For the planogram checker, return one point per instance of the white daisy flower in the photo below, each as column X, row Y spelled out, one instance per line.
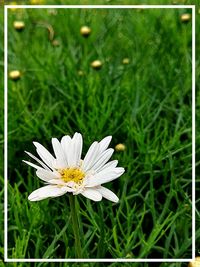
column 67, row 172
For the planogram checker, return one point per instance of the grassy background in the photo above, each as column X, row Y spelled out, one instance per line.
column 107, row 2
column 146, row 105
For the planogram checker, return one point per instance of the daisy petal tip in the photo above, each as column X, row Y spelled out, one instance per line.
column 53, row 139
column 26, row 162
column 120, row 170
column 92, row 194
column 98, row 199
column 31, row 198
column 110, row 137
column 123, row 170
column 76, row 134
column 35, row 144
column 28, row 153
column 108, row 194
column 116, row 200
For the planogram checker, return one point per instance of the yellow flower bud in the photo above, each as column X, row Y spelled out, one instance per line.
column 13, row 4
column 126, row 61
column 97, row 64
column 19, row 25
column 80, row 73
column 195, row 262
column 15, row 75
column 120, row 147
column 85, row 31
column 186, row 17
column 36, row 2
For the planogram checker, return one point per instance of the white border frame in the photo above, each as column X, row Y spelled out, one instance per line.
column 6, row 7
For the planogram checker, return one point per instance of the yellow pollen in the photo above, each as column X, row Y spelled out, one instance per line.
column 72, row 175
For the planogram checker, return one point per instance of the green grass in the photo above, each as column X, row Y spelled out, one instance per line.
column 108, row 2
column 146, row 105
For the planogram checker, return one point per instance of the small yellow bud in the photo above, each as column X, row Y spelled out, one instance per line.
column 13, row 4
column 19, row 25
column 186, row 17
column 80, row 73
column 126, row 61
column 85, row 31
column 15, row 75
column 55, row 43
column 97, row 64
column 36, row 2
column 120, row 147
column 195, row 262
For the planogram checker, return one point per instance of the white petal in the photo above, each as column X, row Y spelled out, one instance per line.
column 60, row 157
column 56, row 182
column 39, row 161
column 90, row 156
column 75, row 149
column 105, row 156
column 33, row 165
column 66, row 143
column 71, row 184
column 92, row 194
column 111, row 164
column 47, row 191
column 105, row 143
column 60, row 182
column 104, row 176
column 44, row 154
column 71, row 153
column 46, row 175
column 108, row 194
column 78, row 144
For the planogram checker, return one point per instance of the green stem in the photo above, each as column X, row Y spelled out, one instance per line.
column 75, row 226
column 101, row 245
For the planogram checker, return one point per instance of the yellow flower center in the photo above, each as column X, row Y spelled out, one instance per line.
column 72, row 175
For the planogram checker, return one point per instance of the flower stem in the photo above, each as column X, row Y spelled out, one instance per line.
column 101, row 244
column 75, row 226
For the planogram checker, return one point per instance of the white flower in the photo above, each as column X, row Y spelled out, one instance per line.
column 66, row 172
